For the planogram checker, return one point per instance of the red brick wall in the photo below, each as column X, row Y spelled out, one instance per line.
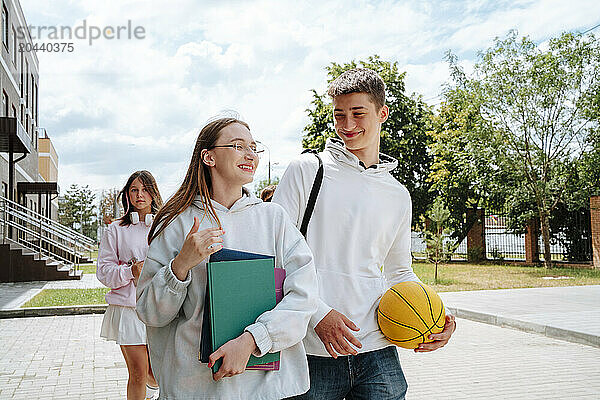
column 595, row 214
column 476, row 236
column 531, row 242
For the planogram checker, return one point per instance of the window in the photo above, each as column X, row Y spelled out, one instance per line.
column 14, row 114
column 32, row 98
column 5, row 26
column 36, row 104
column 14, row 33
column 4, row 189
column 21, row 87
column 26, row 83
column 5, row 103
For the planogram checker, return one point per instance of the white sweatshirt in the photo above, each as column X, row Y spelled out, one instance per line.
column 359, row 235
column 172, row 309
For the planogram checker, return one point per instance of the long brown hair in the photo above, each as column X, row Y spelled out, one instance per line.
column 197, row 180
column 151, row 187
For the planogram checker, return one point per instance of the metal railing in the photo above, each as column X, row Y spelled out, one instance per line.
column 42, row 235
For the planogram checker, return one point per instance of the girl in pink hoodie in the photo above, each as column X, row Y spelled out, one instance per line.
column 120, row 258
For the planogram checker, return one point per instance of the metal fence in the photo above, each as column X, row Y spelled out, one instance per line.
column 419, row 247
column 500, row 242
column 571, row 239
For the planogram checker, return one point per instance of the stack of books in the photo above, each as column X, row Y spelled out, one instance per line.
column 240, row 287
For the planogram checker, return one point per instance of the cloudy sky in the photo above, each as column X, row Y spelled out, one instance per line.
column 120, row 105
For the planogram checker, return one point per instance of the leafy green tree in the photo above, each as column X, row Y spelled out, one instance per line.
column 404, row 135
column 543, row 101
column 465, row 172
column 77, row 210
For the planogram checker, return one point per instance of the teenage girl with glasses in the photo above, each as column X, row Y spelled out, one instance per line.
column 212, row 210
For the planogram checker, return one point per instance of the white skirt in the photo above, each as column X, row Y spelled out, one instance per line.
column 122, row 325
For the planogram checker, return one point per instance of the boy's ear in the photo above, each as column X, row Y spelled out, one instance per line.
column 207, row 158
column 384, row 113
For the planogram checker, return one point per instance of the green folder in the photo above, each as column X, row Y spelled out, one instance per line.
column 239, row 292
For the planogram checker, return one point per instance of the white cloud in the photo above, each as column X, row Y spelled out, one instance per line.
column 538, row 19
column 122, row 105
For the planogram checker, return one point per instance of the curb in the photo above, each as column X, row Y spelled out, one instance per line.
column 546, row 330
column 53, row 311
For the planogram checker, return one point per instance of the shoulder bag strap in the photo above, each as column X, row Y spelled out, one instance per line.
column 314, row 192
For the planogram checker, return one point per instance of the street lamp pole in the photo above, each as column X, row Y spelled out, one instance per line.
column 269, row 155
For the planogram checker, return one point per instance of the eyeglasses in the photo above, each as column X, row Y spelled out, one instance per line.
column 244, row 148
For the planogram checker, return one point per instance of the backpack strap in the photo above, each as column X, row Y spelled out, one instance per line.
column 314, row 192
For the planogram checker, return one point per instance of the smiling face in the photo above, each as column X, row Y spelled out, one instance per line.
column 229, row 165
column 357, row 121
column 140, row 198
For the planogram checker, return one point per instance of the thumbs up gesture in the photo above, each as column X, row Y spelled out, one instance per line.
column 196, row 248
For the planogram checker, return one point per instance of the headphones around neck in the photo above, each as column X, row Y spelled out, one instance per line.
column 135, row 218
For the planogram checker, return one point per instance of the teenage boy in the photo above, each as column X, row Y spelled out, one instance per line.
column 360, row 236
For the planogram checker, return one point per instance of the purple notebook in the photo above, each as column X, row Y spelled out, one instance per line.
column 279, row 278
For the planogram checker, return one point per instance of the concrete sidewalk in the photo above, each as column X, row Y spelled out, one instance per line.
column 64, row 358
column 568, row 313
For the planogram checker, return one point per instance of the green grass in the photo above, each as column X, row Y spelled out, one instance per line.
column 451, row 277
column 67, row 297
column 463, row 276
column 88, row 268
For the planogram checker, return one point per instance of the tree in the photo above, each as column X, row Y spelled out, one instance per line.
column 404, row 135
column 109, row 206
column 542, row 103
column 77, row 210
column 465, row 172
column 438, row 249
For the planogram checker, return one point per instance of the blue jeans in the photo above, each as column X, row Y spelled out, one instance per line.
column 373, row 375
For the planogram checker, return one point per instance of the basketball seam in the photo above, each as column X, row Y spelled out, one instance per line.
column 411, row 306
column 428, row 301
column 396, row 322
column 422, row 335
column 438, row 318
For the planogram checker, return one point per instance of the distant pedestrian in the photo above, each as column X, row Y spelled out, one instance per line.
column 120, row 259
column 267, row 193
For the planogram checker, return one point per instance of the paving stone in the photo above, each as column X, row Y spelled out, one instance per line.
column 481, row 361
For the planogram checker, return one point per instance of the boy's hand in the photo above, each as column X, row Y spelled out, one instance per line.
column 334, row 333
column 235, row 354
column 439, row 339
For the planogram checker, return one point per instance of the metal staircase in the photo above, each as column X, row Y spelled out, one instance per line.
column 35, row 247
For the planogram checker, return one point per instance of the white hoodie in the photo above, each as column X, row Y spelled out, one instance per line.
column 172, row 309
column 359, row 235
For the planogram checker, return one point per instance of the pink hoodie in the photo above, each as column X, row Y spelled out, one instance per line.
column 119, row 245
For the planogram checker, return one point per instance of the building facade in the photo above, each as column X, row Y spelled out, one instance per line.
column 33, row 160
